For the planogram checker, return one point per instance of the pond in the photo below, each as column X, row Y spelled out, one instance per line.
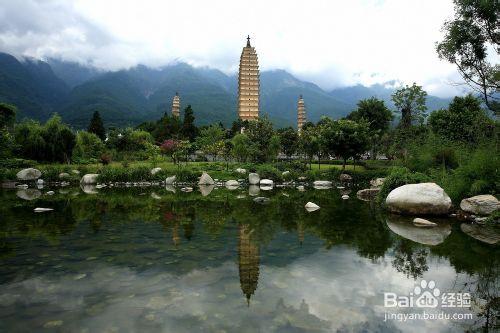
column 151, row 260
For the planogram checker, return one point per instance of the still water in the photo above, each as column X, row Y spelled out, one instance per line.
column 150, row 260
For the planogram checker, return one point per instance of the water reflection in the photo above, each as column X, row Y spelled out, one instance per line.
column 171, row 261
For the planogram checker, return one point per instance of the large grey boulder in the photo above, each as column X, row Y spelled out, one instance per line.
column 367, row 194
column 253, row 179
column 154, row 171
column 377, row 182
column 170, row 180
column 480, row 204
column 253, row 190
column 311, row 206
column 205, row 179
column 89, row 179
column 345, row 178
column 232, row 184
column 29, row 174
column 64, row 175
column 266, row 182
column 424, row 198
column 206, row 189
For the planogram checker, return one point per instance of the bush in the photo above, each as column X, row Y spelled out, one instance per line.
column 88, row 148
column 185, row 175
column 399, row 177
column 269, row 172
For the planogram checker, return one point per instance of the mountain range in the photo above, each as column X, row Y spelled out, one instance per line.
column 128, row 97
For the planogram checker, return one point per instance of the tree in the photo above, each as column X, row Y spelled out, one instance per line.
column 170, row 147
column 88, row 148
column 7, row 118
column 309, row 141
column 289, row 140
column 260, row 132
column 468, row 39
column 211, row 139
column 96, row 126
column 241, row 147
column 463, row 121
column 59, row 140
column 189, row 130
column 377, row 115
column 346, row 138
column 274, row 147
column 410, row 102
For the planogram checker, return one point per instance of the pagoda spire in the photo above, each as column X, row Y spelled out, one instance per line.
column 248, row 41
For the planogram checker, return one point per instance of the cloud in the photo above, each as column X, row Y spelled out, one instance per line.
column 332, row 43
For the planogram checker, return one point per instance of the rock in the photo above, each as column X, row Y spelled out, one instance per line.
column 253, row 190
column 22, row 186
column 154, row 171
column 423, row 222
column 232, row 184
column 424, row 198
column 89, row 179
column 427, row 236
column 75, row 172
column 187, row 189
column 28, row 194
column 266, row 182
column 170, row 180
column 301, row 188
column 41, row 210
column 480, row 204
column 64, row 175
column 206, row 189
column 29, row 174
column 322, row 183
column 205, row 179
column 345, row 197
column 345, row 178
column 261, row 200
column 285, row 173
column 241, row 170
column 377, row 182
column 266, row 187
column 170, row 188
column 50, row 193
column 302, row 178
column 311, row 206
column 484, row 234
column 155, row 196
column 99, row 186
column 40, row 182
column 367, row 194
column 253, row 179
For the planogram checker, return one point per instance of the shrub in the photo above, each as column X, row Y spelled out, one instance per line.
column 105, row 159
column 88, row 147
column 399, row 177
column 269, row 172
column 186, row 176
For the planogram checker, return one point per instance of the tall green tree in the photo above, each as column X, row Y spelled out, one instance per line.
column 260, row 132
column 211, row 140
column 189, row 130
column 471, row 40
column 309, row 141
column 241, row 147
column 289, row 140
column 464, row 121
column 410, row 102
column 88, row 147
column 7, row 118
column 378, row 116
column 346, row 138
column 7, row 115
column 96, row 126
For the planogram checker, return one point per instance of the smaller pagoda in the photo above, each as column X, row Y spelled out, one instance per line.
column 176, row 105
column 301, row 113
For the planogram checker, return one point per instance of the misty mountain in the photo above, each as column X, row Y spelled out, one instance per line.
column 128, row 97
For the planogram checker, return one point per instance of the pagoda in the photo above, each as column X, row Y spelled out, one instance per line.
column 248, row 84
column 248, row 262
column 176, row 105
column 301, row 113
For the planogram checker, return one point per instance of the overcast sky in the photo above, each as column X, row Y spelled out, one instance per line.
column 331, row 43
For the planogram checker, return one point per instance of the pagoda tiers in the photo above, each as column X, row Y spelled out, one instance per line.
column 248, row 84
column 301, row 113
column 248, row 262
column 176, row 105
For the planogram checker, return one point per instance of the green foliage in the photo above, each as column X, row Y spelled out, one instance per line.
column 52, row 142
column 463, row 121
column 289, row 140
column 96, row 126
column 88, row 148
column 466, row 43
column 410, row 102
column 240, row 149
column 7, row 115
column 309, row 140
column 189, row 130
column 120, row 174
column 399, row 177
column 186, row 175
column 263, row 145
column 268, row 171
column 211, row 140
